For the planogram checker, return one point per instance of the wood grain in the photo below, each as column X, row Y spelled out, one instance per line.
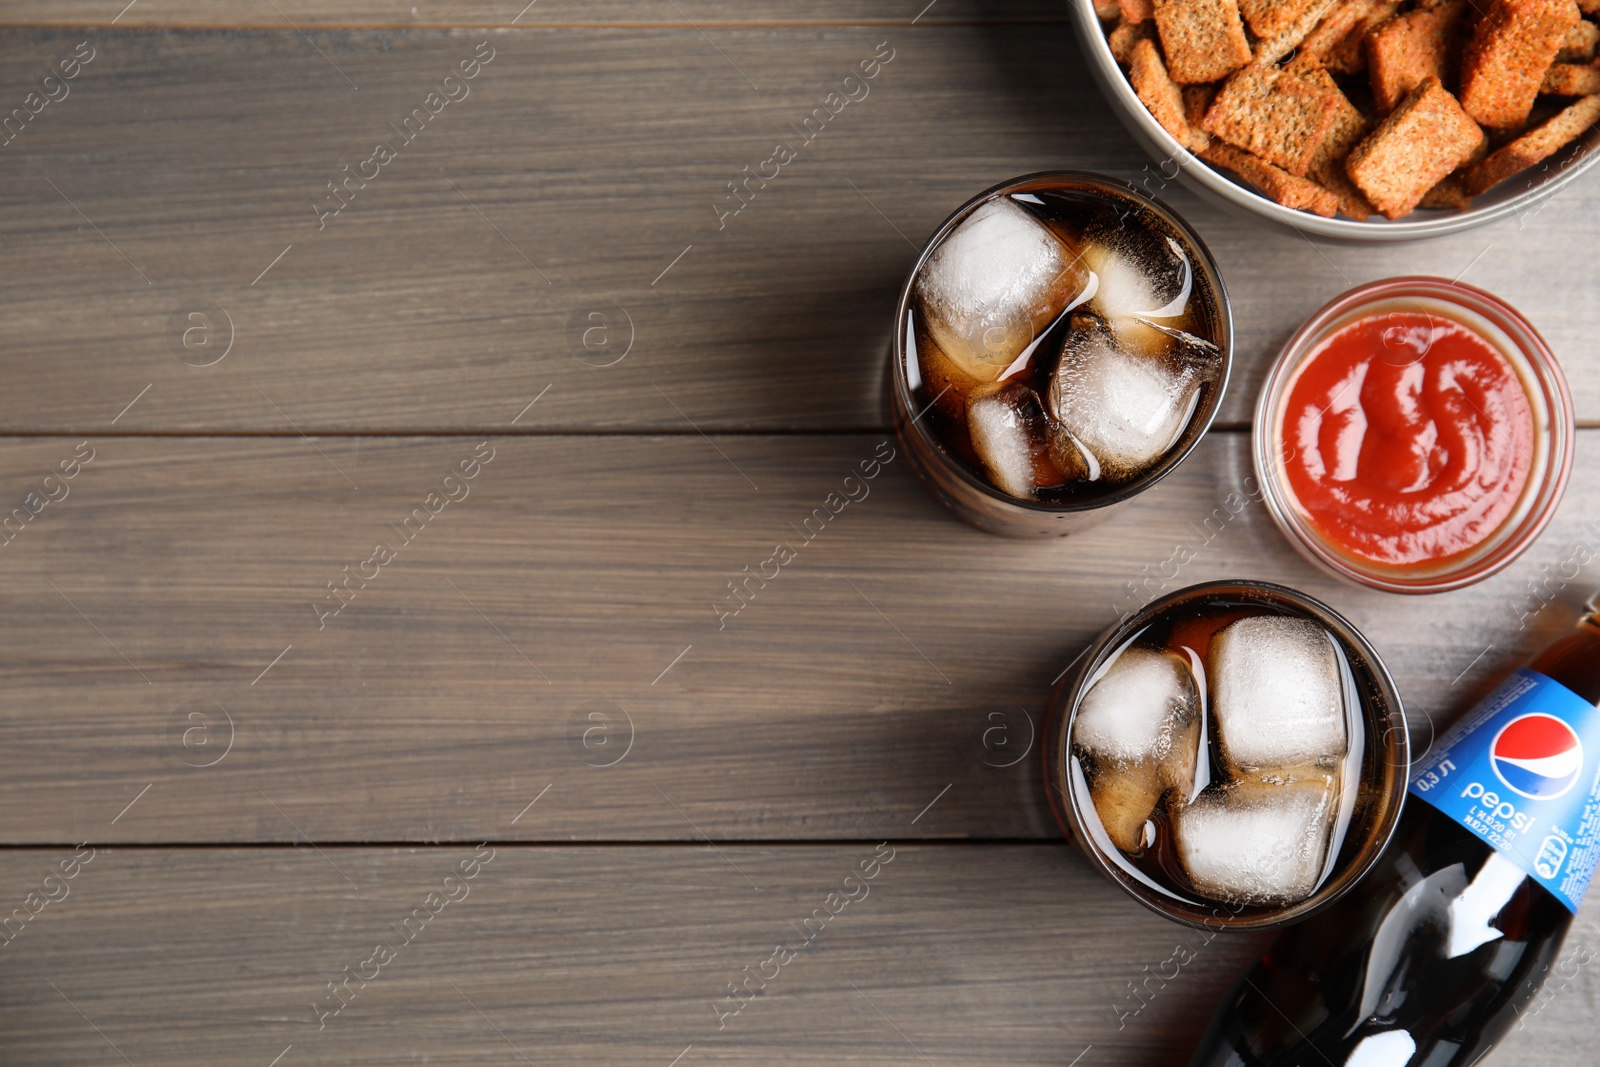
column 579, row 177
column 1013, row 954
column 451, row 14
column 582, row 574
column 541, row 663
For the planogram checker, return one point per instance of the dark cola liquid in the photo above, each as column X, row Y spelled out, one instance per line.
column 1377, row 968
column 1117, row 236
column 1186, row 629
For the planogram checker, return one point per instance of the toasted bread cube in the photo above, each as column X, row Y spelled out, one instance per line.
column 1107, row 10
column 1570, row 79
column 1161, row 95
column 1277, row 183
column 1203, row 40
column 1349, row 56
column 1331, row 30
column 1449, row 195
column 1485, row 146
column 1268, row 18
column 1124, row 36
column 1532, row 147
column 1422, row 140
column 1578, row 46
column 1196, row 102
column 1351, row 200
column 1505, row 60
column 1293, row 34
column 1589, row 7
column 1137, row 11
column 1409, row 48
column 1279, row 116
column 1327, row 165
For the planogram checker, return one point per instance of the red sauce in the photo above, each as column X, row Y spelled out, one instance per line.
column 1408, row 438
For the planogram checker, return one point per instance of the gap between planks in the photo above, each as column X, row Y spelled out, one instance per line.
column 202, row 25
column 543, row 843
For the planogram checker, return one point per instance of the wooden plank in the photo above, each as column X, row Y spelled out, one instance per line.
column 616, row 955
column 581, row 177
column 958, row 954
column 453, row 14
column 584, row 576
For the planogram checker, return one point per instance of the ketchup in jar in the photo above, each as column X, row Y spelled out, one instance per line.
column 1414, row 436
column 1409, row 437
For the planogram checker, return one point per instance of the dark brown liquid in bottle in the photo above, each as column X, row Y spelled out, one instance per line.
column 1574, row 660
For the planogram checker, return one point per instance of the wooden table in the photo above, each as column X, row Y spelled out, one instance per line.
column 545, row 286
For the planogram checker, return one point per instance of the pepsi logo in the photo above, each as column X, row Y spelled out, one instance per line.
column 1537, row 756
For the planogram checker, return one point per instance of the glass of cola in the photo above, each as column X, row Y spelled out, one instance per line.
column 1061, row 344
column 1234, row 755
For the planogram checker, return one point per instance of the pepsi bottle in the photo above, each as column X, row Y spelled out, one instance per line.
column 1429, row 959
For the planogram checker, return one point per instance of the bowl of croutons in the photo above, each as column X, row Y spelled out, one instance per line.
column 1360, row 119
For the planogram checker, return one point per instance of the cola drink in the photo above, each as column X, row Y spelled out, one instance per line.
column 1061, row 344
column 1431, row 958
column 1232, row 754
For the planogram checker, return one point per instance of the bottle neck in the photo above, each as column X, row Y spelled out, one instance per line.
column 1574, row 659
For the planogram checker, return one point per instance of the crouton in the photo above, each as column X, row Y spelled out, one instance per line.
column 1196, row 102
column 1570, row 79
column 1411, row 151
column 1485, row 146
column 1107, row 10
column 1331, row 30
column 1203, row 40
column 1292, row 34
column 1137, row 11
column 1408, row 48
column 1449, row 195
column 1268, row 18
column 1279, row 116
column 1579, row 44
column 1278, row 184
column 1349, row 126
column 1124, row 36
column 1349, row 56
column 1351, row 201
column 1589, row 7
column 1161, row 95
column 1511, row 47
column 1532, row 147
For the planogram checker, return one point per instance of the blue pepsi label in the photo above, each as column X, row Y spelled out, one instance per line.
column 1521, row 771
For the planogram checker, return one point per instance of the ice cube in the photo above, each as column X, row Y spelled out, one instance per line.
column 1261, row 846
column 1182, row 761
column 1144, row 286
column 1320, row 780
column 1124, row 796
column 1139, row 726
column 1011, row 436
column 1133, row 710
column 1277, row 693
column 1143, row 274
column 996, row 282
column 1120, row 412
